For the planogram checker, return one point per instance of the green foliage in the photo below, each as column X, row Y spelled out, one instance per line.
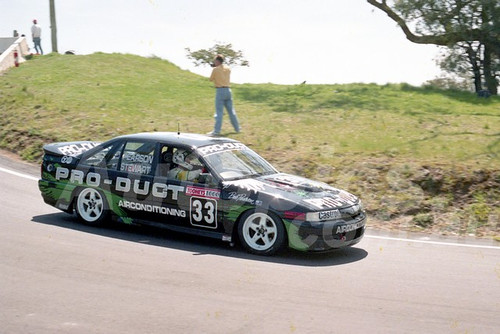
column 423, row 219
column 470, row 30
column 479, row 211
column 206, row 56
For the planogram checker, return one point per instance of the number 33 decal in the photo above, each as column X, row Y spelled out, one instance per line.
column 203, row 212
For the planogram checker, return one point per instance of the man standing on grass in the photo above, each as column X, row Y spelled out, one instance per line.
column 223, row 96
column 36, row 34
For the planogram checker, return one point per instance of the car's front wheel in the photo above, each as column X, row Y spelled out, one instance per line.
column 261, row 233
column 91, row 206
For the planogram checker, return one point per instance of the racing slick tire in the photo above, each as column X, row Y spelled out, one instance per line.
column 91, row 207
column 261, row 233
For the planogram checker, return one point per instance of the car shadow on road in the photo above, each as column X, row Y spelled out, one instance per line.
column 200, row 245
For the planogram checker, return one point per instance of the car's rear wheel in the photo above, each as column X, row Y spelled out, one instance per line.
column 91, row 206
column 261, row 233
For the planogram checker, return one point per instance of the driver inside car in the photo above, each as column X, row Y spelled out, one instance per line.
column 187, row 168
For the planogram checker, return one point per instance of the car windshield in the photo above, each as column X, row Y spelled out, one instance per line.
column 239, row 164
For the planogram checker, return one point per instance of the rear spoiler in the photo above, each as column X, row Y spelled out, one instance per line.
column 69, row 148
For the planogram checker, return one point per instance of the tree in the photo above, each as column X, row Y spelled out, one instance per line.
column 470, row 28
column 462, row 59
column 206, row 56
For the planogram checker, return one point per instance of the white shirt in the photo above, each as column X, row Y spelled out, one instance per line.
column 36, row 31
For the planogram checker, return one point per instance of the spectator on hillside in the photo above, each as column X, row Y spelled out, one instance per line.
column 223, row 96
column 36, row 34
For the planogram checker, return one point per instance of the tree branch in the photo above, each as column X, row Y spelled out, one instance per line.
column 444, row 39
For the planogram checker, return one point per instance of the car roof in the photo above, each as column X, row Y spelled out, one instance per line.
column 173, row 138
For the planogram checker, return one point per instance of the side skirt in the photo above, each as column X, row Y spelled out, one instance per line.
column 181, row 229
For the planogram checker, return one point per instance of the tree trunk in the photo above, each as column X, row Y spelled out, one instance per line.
column 476, row 67
column 489, row 75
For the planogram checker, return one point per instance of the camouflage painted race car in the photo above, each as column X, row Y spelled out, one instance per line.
column 214, row 187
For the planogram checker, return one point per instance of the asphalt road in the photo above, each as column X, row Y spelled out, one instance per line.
column 58, row 276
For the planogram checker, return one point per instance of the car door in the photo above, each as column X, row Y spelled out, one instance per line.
column 199, row 194
column 133, row 181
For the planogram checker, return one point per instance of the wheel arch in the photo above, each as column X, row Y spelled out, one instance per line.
column 273, row 214
column 238, row 221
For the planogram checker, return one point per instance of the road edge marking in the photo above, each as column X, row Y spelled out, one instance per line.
column 440, row 243
column 26, row 176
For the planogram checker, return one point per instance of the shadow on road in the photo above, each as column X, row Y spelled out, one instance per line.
column 200, row 245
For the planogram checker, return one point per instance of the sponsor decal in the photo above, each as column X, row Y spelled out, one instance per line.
column 205, row 150
column 248, row 185
column 77, row 148
column 343, row 198
column 243, row 198
column 350, row 227
column 136, row 163
column 122, row 184
column 203, row 212
column 66, row 159
column 135, row 168
column 136, row 157
column 203, row 192
column 299, row 182
column 328, row 215
column 152, row 208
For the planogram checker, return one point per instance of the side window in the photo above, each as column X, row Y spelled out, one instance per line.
column 186, row 166
column 98, row 158
column 165, row 163
column 114, row 158
column 106, row 157
column 138, row 158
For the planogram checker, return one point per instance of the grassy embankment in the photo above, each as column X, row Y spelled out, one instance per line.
column 421, row 158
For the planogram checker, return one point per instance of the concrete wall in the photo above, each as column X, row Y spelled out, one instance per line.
column 6, row 42
column 8, row 45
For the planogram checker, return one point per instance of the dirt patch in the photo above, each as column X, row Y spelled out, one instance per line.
column 415, row 196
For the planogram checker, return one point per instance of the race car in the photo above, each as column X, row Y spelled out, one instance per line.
column 213, row 187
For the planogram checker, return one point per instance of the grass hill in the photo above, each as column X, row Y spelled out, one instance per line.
column 421, row 158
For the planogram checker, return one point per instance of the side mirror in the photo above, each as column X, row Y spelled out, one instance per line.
column 206, row 178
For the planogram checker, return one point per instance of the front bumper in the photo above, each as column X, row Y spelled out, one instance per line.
column 323, row 236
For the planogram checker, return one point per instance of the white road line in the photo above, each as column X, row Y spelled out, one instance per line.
column 29, row 177
column 431, row 242
column 26, row 176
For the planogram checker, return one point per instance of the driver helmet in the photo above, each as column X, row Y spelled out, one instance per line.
column 179, row 158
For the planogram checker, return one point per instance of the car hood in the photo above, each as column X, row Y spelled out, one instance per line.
column 311, row 194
